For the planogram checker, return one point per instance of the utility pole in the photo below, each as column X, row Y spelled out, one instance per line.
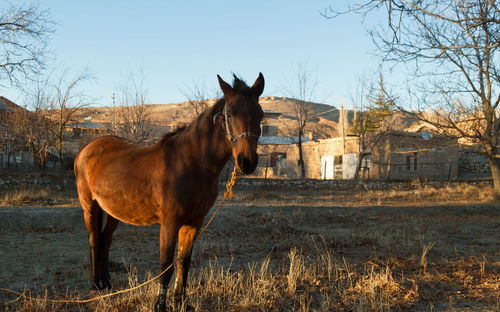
column 342, row 126
column 113, row 126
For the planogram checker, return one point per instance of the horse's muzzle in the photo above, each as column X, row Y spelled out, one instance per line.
column 245, row 164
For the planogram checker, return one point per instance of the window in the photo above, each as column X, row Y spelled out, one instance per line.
column 366, row 164
column 411, row 162
column 337, row 167
column 266, row 130
column 337, row 159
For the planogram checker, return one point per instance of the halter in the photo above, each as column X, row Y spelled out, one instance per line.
column 233, row 139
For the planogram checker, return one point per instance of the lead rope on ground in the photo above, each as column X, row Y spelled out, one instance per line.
column 227, row 194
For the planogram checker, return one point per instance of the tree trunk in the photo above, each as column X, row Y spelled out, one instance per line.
column 495, row 174
column 61, row 163
column 301, row 158
column 9, row 154
column 358, row 166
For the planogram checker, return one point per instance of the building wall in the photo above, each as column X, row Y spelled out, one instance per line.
column 312, row 153
column 266, row 151
column 429, row 165
column 409, row 156
column 398, row 156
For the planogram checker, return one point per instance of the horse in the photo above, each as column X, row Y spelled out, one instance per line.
column 173, row 182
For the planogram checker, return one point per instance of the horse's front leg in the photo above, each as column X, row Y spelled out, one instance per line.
column 168, row 238
column 187, row 235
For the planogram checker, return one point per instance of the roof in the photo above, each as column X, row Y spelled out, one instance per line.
column 426, row 135
column 8, row 105
column 86, row 125
column 277, row 140
column 270, row 113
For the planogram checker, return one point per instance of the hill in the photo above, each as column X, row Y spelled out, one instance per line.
column 325, row 125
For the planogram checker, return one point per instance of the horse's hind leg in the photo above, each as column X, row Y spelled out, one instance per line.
column 92, row 213
column 106, row 239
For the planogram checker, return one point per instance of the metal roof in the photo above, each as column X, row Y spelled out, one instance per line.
column 280, row 140
column 86, row 125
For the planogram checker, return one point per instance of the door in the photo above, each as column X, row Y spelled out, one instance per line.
column 327, row 167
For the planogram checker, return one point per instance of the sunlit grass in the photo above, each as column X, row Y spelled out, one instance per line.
column 390, row 262
column 317, row 281
column 25, row 196
column 37, row 195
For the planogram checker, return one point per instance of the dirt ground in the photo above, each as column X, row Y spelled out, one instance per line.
column 46, row 247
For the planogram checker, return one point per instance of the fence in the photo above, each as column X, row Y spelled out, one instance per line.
column 25, row 160
column 17, row 159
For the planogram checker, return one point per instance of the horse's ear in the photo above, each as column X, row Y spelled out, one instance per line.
column 258, row 86
column 226, row 88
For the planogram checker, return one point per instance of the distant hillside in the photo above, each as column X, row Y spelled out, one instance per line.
column 324, row 125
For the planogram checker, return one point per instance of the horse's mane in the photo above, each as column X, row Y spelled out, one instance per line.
column 170, row 134
column 240, row 86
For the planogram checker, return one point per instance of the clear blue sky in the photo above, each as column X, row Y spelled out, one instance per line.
column 178, row 44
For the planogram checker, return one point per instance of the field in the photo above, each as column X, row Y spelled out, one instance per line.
column 275, row 246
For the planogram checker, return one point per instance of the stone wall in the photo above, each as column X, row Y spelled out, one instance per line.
column 304, row 184
column 472, row 165
column 25, row 179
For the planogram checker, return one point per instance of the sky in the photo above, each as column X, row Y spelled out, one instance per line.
column 182, row 45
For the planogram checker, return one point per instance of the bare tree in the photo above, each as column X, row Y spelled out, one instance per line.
column 132, row 117
column 62, row 107
column 36, row 130
column 24, row 129
column 373, row 107
column 302, row 91
column 36, row 124
column 24, row 32
column 452, row 49
column 197, row 98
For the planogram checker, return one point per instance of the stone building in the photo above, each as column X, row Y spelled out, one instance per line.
column 396, row 155
column 272, row 152
column 86, row 128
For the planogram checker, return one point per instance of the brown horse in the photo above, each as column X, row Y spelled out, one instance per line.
column 173, row 183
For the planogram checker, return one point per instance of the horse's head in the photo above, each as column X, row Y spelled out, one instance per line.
column 241, row 119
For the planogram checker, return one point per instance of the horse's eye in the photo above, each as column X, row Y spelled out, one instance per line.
column 229, row 116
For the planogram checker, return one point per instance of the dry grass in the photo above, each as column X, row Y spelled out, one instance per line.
column 412, row 193
column 37, row 196
column 25, row 196
column 460, row 192
column 317, row 281
column 309, row 251
column 394, row 194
